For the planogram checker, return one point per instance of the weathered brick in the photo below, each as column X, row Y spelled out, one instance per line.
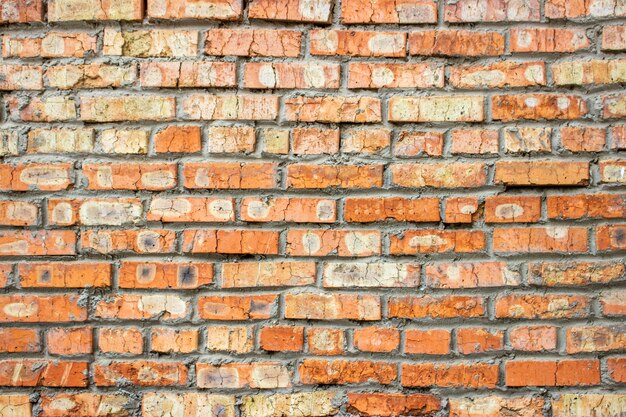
column 579, row 206
column 461, row 210
column 70, row 341
column 253, row 42
column 230, row 107
column 230, row 175
column 260, row 75
column 43, row 373
column 533, row 338
column 513, row 209
column 551, row 306
column 614, row 38
column 586, row 404
column 462, row 375
column 20, row 77
column 334, row 176
column 142, row 307
column 37, row 243
column 191, row 209
column 548, row 40
column 133, row 241
column 179, row 275
column 18, row 213
column 81, row 404
column 439, row 175
column 188, row 74
column 298, row 210
column 574, row 273
column 262, row 375
column 492, row 11
column 291, row 10
column 499, row 75
column 564, row 372
column 128, row 176
column 235, row 339
column 357, row 43
column 527, row 140
column 478, row 340
column 537, row 107
column 49, row 45
column 140, row 373
column 589, row 72
column 167, row 340
column 411, row 144
column 203, row 9
column 64, row 10
column 333, row 109
column 325, row 341
column 267, row 274
column 412, row 242
column 120, row 340
column 95, row 212
column 151, row 43
column 614, row 106
column 456, row 43
column 192, row 404
column 313, row 141
column 471, row 275
column 123, row 108
column 366, row 210
column 365, row 274
column 427, row 342
column 303, row 242
column 42, row 109
column 341, row 372
column 494, row 406
column 21, row 11
column 582, row 139
column 64, row 275
column 435, row 307
column 542, row 173
column 560, row 9
column 595, row 339
column 419, row 75
column 233, row 307
column 366, row 141
column 436, row 109
column 320, row 306
column 65, row 77
column 259, row 242
column 316, row 403
column 376, row 339
column 388, row 11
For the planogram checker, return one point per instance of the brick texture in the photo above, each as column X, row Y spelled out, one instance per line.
column 312, row 208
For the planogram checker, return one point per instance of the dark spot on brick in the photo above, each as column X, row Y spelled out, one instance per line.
column 44, row 276
column 187, row 276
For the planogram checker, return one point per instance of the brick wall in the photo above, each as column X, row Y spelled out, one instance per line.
column 310, row 208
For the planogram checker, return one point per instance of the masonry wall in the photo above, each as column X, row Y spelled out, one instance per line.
column 312, row 208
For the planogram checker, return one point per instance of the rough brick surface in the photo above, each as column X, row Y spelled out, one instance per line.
column 312, row 208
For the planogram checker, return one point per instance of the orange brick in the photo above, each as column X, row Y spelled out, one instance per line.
column 333, row 109
column 127, row 176
column 552, row 373
column 179, row 275
column 533, row 338
column 606, row 206
column 614, row 38
column 595, row 339
column 49, row 45
column 365, row 140
column 386, row 405
column 471, row 275
column 167, row 340
column 456, row 43
column 325, row 341
column 311, row 242
column 191, row 209
column 229, row 175
column 334, row 176
column 412, row 242
column 178, row 139
column 231, row 241
column 204, row 9
column 552, row 306
column 342, row 372
column 617, row 369
column 298, row 210
column 582, row 139
column 512, row 209
column 134, row 241
column 267, row 274
column 253, row 42
column 37, row 243
column 313, row 141
column 120, row 340
column 140, row 373
column 39, row 308
column 461, row 210
column 479, row 340
column 142, row 307
column 42, row 177
column 558, row 239
column 19, row 213
column 439, row 175
column 291, row 10
column 389, row 11
column 538, row 107
column 419, row 75
column 233, row 307
column 376, row 339
column 264, row 375
column 487, row 11
column 542, row 173
column 427, row 342
column 419, row 144
column 436, row 307
column 474, row 141
column 548, row 40
column 65, row 275
column 366, row 210
column 19, row 340
column 357, row 43
column 19, row 11
column 613, row 171
column 42, row 373
column 320, row 306
column 69, row 341
column 499, row 75
column 261, row 75
column 475, row 375
column 282, row 338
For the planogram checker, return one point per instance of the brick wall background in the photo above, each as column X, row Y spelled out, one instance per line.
column 309, row 208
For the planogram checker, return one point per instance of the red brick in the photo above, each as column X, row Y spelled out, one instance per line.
column 178, row 139
column 499, row 75
column 342, row 372
column 479, row 340
column 461, row 210
column 70, row 341
column 260, row 242
column 376, row 339
column 282, row 338
column 65, row 275
column 41, row 177
column 229, row 175
column 611, row 237
column 333, row 109
column 412, row 242
column 260, row 75
column 595, row 339
column 127, row 176
column 264, row 375
column 120, row 340
column 319, row 306
column 366, row 210
column 325, row 341
column 617, row 369
column 234, row 307
column 357, row 43
column 298, row 210
column 19, row 340
column 476, row 375
column 419, row 144
column 533, row 338
column 291, row 10
column 333, row 242
column 552, row 373
column 19, row 213
column 41, row 309
column 551, row 306
column 548, row 40
column 42, row 373
column 37, row 243
column 387, row 405
column 427, row 342
column 179, row 275
column 418, row 75
column 542, row 173
column 213, row 9
column 134, row 241
column 512, row 209
column 389, row 11
column 191, row 209
column 456, row 43
column 140, row 373
column 167, row 340
column 582, row 139
column 471, row 275
column 614, row 38
column 253, row 42
column 142, row 307
column 435, row 307
column 538, row 107
column 334, row 176
column 604, row 206
column 312, row 141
